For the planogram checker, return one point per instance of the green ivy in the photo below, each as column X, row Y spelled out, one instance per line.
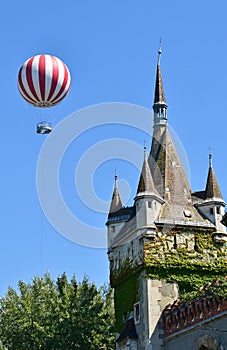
column 191, row 269
column 125, row 281
column 126, row 295
column 217, row 288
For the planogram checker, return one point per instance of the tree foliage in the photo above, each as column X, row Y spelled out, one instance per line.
column 57, row 315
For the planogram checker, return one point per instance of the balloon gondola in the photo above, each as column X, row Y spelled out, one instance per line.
column 43, row 81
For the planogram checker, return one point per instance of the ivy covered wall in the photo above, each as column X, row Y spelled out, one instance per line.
column 190, row 258
column 125, row 281
column 194, row 262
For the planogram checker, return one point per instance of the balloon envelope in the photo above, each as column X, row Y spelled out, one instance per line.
column 43, row 80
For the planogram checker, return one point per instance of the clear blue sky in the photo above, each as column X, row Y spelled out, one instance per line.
column 110, row 48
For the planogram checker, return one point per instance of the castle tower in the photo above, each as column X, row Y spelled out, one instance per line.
column 210, row 202
column 148, row 201
column 167, row 243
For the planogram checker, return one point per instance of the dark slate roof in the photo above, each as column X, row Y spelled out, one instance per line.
column 159, row 95
column 199, row 195
column 166, row 168
column 123, row 214
column 129, row 331
column 157, row 159
column 146, row 183
column 170, row 179
column 116, row 203
column 212, row 188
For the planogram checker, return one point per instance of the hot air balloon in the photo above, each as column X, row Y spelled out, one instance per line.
column 43, row 81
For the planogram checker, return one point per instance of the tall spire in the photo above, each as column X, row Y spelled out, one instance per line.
column 116, row 203
column 212, row 188
column 165, row 165
column 159, row 106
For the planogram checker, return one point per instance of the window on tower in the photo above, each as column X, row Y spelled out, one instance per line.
column 137, row 312
column 175, row 242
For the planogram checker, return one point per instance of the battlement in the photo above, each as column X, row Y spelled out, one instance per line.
column 180, row 316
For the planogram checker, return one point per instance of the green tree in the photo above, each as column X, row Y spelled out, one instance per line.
column 57, row 315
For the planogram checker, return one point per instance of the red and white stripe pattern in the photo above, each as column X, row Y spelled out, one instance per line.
column 43, row 80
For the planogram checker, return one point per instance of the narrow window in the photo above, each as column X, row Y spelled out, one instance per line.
column 113, row 229
column 137, row 312
column 175, row 242
column 149, row 205
column 218, row 210
column 124, row 316
column 196, row 244
column 211, row 211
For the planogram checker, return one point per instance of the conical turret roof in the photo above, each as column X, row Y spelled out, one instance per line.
column 146, row 183
column 212, row 187
column 159, row 95
column 116, row 203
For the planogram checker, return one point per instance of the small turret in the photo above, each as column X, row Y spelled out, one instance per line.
column 212, row 187
column 116, row 203
column 148, row 201
column 210, row 202
column 118, row 214
column 146, row 184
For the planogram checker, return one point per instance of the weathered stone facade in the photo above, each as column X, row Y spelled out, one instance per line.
column 163, row 248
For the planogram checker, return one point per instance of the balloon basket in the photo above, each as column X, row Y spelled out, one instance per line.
column 43, row 128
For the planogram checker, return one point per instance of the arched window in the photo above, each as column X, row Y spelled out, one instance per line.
column 205, row 342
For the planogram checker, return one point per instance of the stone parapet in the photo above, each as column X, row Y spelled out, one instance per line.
column 180, row 316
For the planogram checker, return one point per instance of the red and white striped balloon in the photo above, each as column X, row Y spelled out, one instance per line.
column 43, row 80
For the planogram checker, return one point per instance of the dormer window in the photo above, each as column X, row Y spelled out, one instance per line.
column 187, row 213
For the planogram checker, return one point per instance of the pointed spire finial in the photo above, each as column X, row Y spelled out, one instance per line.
column 116, row 203
column 115, row 177
column 212, row 188
column 159, row 106
column 159, row 50
column 145, row 150
column 210, row 158
column 146, row 183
